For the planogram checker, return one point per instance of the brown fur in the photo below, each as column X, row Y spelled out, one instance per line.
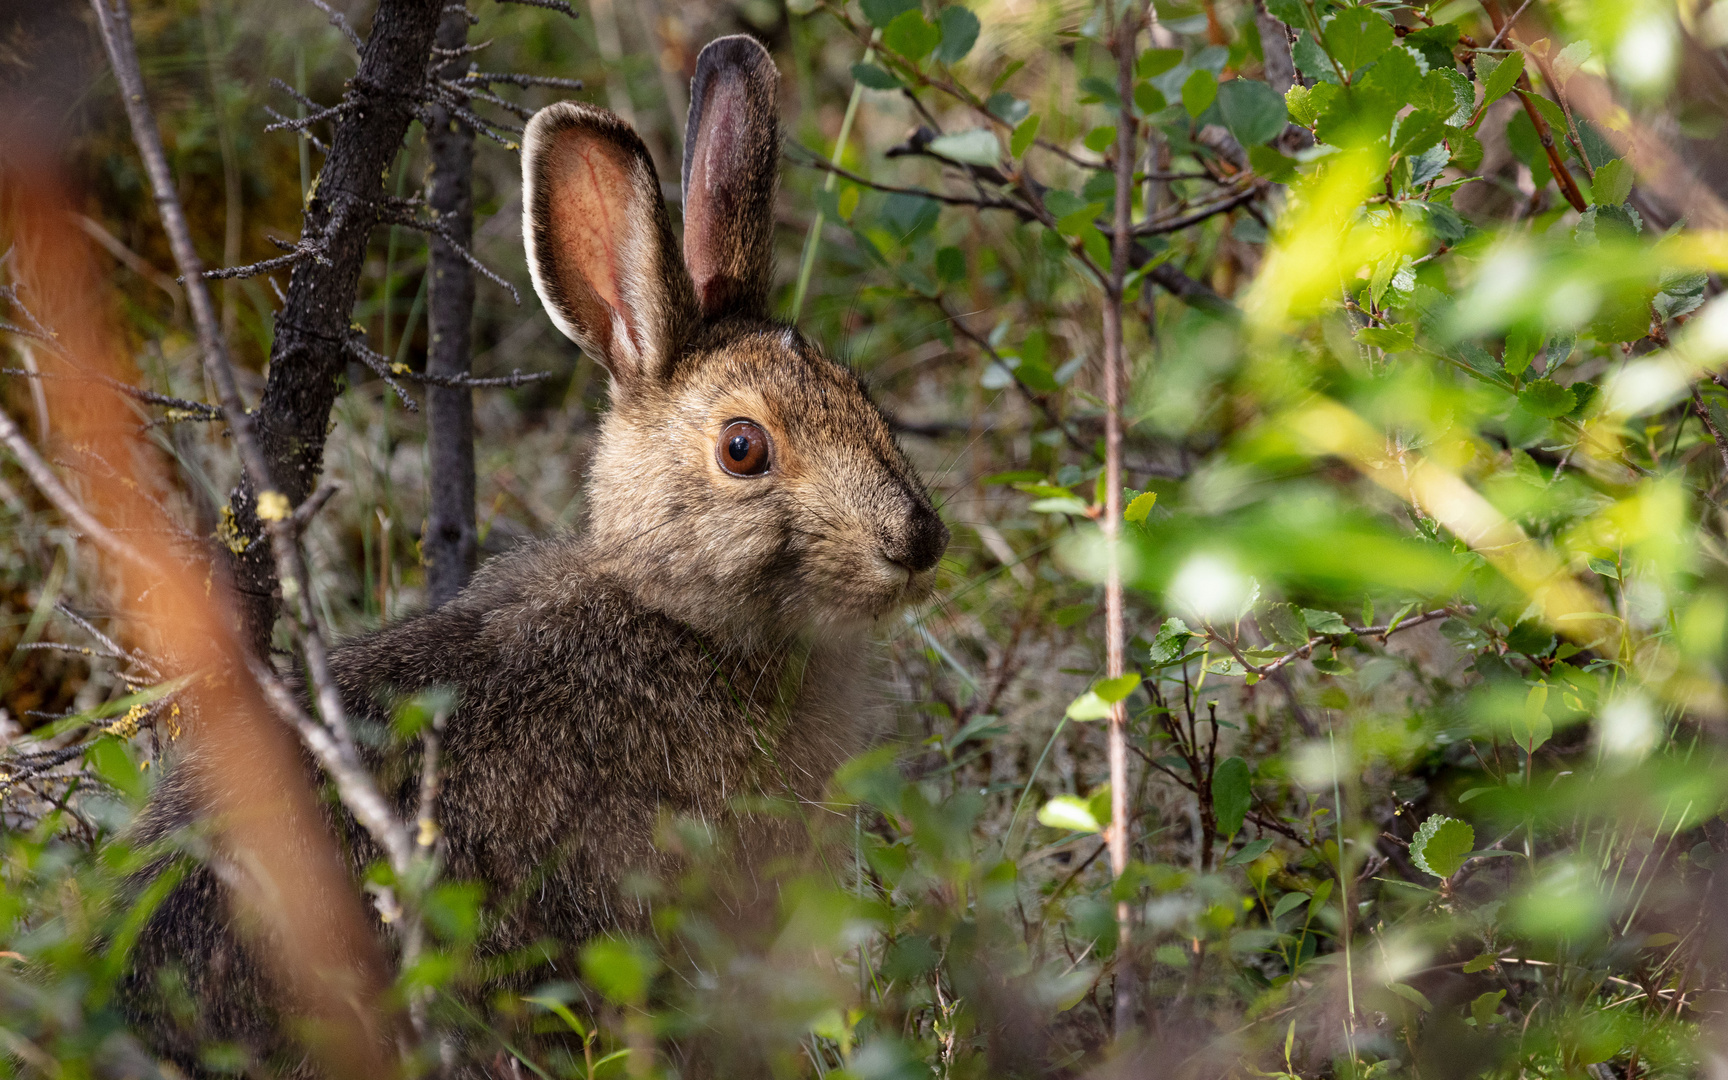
column 701, row 642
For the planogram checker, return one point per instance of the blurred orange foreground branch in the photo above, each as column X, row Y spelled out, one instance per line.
column 295, row 896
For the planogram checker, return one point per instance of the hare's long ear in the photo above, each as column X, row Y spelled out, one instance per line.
column 731, row 167
column 600, row 246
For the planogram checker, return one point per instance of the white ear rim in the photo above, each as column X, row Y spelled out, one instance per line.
column 531, row 151
column 638, row 272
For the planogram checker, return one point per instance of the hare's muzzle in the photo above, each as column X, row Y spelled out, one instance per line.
column 917, row 541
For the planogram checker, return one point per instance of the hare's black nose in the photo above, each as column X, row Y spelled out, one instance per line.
column 918, row 540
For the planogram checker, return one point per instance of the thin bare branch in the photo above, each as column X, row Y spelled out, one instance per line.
column 517, row 79
column 395, row 215
column 306, row 511
column 380, row 365
column 54, row 491
column 317, row 143
column 1177, row 222
column 817, row 161
column 340, row 22
column 550, row 5
column 301, row 123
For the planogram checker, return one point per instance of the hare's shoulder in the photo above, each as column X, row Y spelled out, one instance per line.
column 538, row 636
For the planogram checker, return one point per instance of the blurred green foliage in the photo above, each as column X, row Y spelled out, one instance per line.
column 1429, row 597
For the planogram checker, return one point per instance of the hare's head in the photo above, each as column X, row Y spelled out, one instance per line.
column 742, row 481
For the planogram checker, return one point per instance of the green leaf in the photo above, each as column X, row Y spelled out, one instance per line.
column 874, row 77
column 1613, row 183
column 1436, row 45
column 1283, row 623
column 1114, row 690
column 1287, row 903
column 1682, row 293
column 882, row 12
column 1149, row 99
column 1498, row 82
column 1272, row 165
column 1044, row 491
column 1440, row 845
column 1606, row 568
column 959, row 34
column 1099, row 139
column 1530, row 636
column 1232, row 794
column 1412, row 995
column 1008, row 108
column 1155, row 62
column 1170, row 640
column 1250, row 110
column 1466, row 152
column 1480, row 963
column 1531, row 727
column 562, row 1011
column 1140, row 506
column 1395, row 338
column 1311, row 59
column 975, row 147
column 950, row 264
column 1395, row 73
column 1521, row 348
column 1486, row 1008
column 1448, row 93
column 1325, row 622
column 1069, row 812
column 1556, row 117
column 911, row 35
column 1250, row 851
column 620, row 968
column 1545, row 397
column 1088, row 706
column 1299, row 102
column 1062, row 505
column 1357, row 36
column 1023, row 136
column 1099, row 92
column 1077, row 222
column 108, row 757
column 1099, row 803
column 1199, row 90
column 1419, row 132
column 1289, row 12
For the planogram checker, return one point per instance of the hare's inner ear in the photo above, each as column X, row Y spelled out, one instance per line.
column 731, row 166
column 600, row 246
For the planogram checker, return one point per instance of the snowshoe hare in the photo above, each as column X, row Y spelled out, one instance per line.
column 750, row 517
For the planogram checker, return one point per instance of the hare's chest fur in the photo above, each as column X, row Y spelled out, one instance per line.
column 583, row 717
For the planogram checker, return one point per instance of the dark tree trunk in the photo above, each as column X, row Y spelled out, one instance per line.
column 310, row 349
column 451, row 538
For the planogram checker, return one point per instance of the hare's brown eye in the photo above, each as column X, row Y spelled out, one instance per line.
column 743, row 449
